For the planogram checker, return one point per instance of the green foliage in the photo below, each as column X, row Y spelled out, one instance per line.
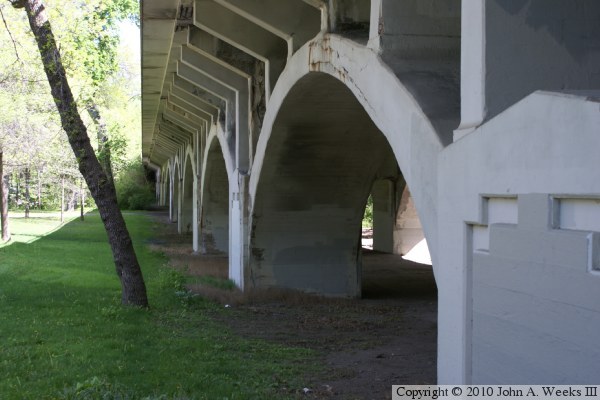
column 367, row 221
column 134, row 192
column 96, row 388
column 65, row 336
column 224, row 284
column 101, row 71
column 168, row 278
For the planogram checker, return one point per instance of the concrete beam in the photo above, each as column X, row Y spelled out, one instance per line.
column 205, row 108
column 235, row 80
column 274, row 16
column 201, row 119
column 174, row 133
column 214, row 88
column 191, row 109
column 181, row 121
column 245, row 35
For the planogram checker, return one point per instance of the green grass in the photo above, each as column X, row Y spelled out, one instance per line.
column 64, row 335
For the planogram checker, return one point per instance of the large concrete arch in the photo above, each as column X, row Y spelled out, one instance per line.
column 307, row 211
column 389, row 105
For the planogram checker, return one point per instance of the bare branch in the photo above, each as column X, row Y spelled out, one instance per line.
column 9, row 33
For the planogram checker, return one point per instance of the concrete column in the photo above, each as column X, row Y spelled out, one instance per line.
column 383, row 215
column 171, row 197
column 472, row 67
column 195, row 215
column 408, row 231
column 238, row 230
column 179, row 205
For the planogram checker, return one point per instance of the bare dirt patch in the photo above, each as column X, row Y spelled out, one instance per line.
column 364, row 346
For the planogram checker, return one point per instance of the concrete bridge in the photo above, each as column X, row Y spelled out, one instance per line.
column 474, row 124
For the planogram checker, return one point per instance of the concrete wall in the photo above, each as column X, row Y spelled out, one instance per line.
column 533, row 276
column 524, row 274
column 514, row 47
column 419, row 28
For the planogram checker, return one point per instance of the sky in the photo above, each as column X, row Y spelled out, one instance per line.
column 130, row 37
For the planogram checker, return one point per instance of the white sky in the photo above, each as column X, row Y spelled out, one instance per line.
column 130, row 38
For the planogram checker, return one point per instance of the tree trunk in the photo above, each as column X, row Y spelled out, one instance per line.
column 101, row 187
column 73, row 200
column 81, row 198
column 3, row 202
column 62, row 199
column 39, row 189
column 18, row 183
column 103, row 144
column 27, row 176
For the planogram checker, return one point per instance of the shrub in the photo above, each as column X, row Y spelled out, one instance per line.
column 134, row 191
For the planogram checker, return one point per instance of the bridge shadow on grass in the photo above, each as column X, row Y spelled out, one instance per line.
column 62, row 329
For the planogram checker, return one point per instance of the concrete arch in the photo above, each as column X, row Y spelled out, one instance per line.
column 386, row 101
column 215, row 189
column 188, row 195
column 228, row 156
column 169, row 195
column 176, row 193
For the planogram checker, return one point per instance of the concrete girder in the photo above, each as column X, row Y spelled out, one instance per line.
column 216, row 89
column 192, row 110
column 183, row 122
column 180, row 38
column 158, row 154
column 234, row 80
column 199, row 122
column 274, row 16
column 245, row 35
column 198, row 83
column 201, row 93
column 175, row 132
column 172, row 136
column 173, row 142
column 197, row 103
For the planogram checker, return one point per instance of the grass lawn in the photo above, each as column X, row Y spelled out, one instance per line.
column 64, row 335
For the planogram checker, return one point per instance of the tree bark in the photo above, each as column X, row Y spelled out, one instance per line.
column 62, row 199
column 101, row 187
column 81, row 198
column 103, row 144
column 39, row 190
column 27, row 176
column 3, row 202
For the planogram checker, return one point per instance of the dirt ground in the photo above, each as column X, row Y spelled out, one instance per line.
column 366, row 345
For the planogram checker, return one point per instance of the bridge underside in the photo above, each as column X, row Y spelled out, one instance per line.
column 470, row 124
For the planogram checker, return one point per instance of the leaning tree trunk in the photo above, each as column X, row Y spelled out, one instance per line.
column 3, row 202
column 101, row 187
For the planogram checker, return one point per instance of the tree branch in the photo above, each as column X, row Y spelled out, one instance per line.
column 9, row 33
